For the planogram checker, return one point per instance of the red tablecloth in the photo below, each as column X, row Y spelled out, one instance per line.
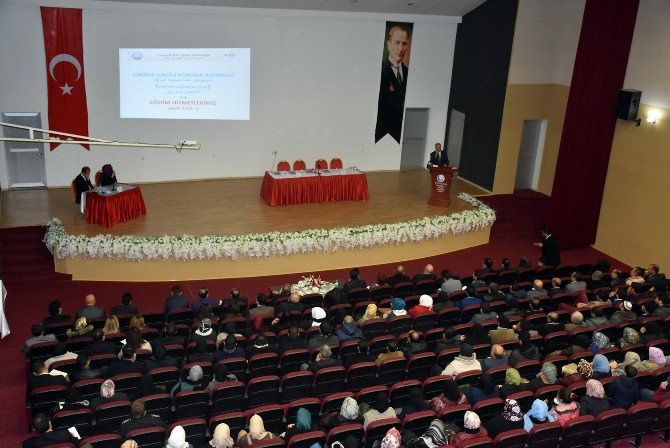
column 311, row 189
column 109, row 210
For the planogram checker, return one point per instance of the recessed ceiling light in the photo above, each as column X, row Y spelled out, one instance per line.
column 410, row 4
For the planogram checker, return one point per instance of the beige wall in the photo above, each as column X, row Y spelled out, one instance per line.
column 635, row 214
column 529, row 102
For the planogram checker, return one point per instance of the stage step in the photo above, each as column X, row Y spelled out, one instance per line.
column 518, row 215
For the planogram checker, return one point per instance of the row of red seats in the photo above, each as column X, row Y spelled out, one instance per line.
column 300, row 165
column 584, row 431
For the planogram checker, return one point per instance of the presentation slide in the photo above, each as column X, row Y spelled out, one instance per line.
column 185, row 83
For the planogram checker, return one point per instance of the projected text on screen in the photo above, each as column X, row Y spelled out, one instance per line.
column 185, row 83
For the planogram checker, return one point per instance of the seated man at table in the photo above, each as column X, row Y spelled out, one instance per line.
column 82, row 183
column 108, row 176
column 438, row 157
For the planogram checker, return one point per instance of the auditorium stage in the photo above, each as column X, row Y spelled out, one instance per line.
column 234, row 207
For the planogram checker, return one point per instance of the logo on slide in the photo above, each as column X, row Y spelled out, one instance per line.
column 229, row 55
column 440, row 177
column 137, row 55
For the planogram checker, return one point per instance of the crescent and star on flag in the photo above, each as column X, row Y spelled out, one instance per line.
column 67, row 90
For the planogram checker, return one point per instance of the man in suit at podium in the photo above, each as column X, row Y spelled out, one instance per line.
column 438, row 157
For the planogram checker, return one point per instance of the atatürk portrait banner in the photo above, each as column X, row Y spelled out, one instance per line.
column 393, row 83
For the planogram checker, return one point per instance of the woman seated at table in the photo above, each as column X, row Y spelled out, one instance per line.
column 108, row 176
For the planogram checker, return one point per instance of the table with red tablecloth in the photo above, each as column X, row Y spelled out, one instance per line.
column 109, row 207
column 312, row 186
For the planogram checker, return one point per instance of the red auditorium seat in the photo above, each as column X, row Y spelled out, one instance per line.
column 336, row 164
column 283, row 165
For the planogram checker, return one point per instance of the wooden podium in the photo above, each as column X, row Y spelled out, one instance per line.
column 440, row 184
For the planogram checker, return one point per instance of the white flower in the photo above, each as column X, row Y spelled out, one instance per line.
column 189, row 247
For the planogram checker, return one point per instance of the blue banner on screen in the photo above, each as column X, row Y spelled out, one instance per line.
column 185, row 83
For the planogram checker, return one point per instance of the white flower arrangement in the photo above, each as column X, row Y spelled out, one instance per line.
column 258, row 245
column 312, row 285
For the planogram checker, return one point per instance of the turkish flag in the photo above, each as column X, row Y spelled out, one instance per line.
column 64, row 50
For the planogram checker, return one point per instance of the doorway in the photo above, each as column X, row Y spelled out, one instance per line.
column 530, row 154
column 455, row 137
column 413, row 153
column 25, row 160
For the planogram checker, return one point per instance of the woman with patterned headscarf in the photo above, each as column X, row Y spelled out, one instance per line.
column 630, row 337
column 438, row 434
column 370, row 313
column 348, row 414
column 472, row 427
column 511, row 418
column 107, row 395
column 595, row 401
column 599, row 342
column 391, row 439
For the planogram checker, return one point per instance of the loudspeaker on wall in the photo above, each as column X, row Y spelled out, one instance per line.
column 628, row 104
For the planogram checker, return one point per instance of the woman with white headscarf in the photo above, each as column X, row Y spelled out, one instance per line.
column 425, row 306
column 256, row 432
column 221, row 437
column 177, row 438
column 318, row 316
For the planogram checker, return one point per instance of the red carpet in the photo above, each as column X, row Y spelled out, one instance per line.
column 27, row 269
column 518, row 215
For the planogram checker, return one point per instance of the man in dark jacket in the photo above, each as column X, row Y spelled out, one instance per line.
column 42, row 378
column 126, row 307
column 260, row 345
column 292, row 304
column 139, row 419
column 46, row 434
column 525, row 351
column 324, row 359
column 398, row 277
column 85, row 372
column 126, row 364
column 292, row 341
column 159, row 359
column 413, row 344
column 99, row 346
column 175, row 301
column 349, row 330
column 449, row 340
column 361, row 355
column 625, row 391
column 325, row 338
column 354, row 281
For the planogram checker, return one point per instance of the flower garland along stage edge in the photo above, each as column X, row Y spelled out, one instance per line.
column 188, row 247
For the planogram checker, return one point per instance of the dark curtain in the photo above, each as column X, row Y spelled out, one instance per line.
column 586, row 142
